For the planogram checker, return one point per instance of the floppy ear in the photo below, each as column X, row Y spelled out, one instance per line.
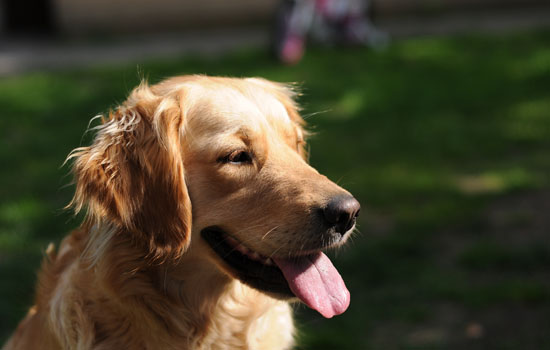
column 132, row 176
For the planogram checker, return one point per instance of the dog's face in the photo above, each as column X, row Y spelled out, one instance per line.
column 238, row 184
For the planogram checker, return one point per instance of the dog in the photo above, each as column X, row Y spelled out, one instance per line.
column 203, row 222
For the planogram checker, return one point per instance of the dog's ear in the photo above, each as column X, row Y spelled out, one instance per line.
column 132, row 176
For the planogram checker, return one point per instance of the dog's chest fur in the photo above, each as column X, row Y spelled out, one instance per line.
column 114, row 306
column 247, row 319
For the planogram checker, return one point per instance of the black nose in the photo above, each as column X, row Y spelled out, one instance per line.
column 341, row 212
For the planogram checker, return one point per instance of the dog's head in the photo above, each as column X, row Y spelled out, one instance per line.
column 220, row 163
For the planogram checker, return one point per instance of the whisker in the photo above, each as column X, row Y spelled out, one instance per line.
column 309, row 115
column 268, row 232
column 250, row 228
column 275, row 252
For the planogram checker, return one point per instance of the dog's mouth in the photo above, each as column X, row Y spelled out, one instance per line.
column 312, row 278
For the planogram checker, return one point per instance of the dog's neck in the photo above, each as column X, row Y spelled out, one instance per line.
column 193, row 301
column 224, row 307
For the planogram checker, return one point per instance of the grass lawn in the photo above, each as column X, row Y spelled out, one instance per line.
column 445, row 142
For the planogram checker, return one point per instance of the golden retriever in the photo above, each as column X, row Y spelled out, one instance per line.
column 203, row 221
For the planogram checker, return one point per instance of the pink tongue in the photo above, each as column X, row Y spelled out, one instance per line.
column 316, row 282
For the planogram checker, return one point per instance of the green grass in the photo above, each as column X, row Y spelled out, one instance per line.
column 446, row 143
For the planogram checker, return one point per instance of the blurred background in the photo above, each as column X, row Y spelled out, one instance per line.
column 434, row 113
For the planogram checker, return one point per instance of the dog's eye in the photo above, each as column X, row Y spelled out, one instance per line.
column 237, row 157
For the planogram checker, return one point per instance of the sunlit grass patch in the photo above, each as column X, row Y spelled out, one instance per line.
column 529, row 120
column 497, row 181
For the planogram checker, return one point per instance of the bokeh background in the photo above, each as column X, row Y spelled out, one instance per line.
column 443, row 135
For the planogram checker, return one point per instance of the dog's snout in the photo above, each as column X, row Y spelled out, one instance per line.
column 341, row 213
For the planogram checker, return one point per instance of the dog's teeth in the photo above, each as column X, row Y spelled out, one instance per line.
column 231, row 241
column 245, row 251
column 255, row 256
column 241, row 248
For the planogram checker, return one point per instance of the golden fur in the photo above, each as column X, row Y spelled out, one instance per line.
column 136, row 274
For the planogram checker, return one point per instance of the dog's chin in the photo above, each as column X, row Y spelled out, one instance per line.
column 250, row 268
